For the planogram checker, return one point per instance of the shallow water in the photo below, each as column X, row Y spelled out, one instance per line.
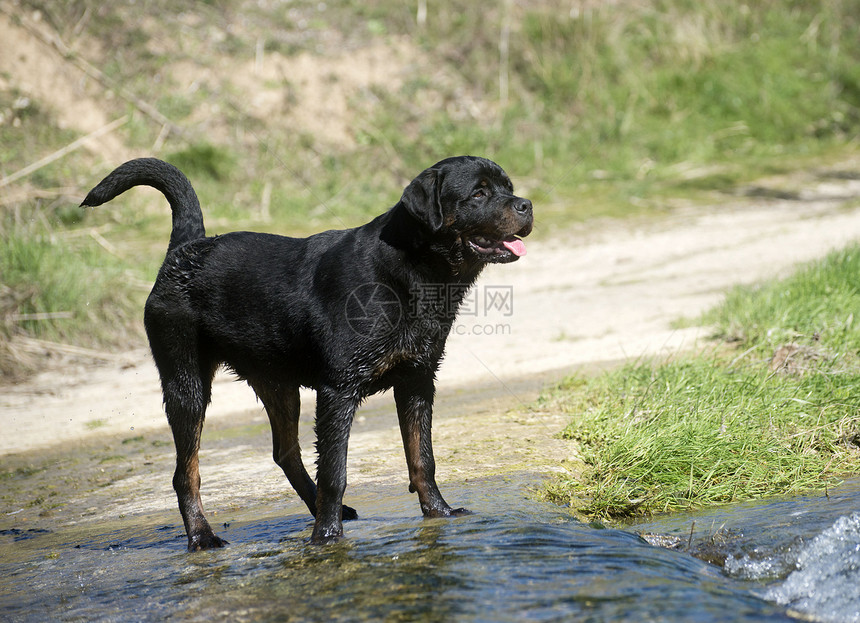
column 800, row 552
column 514, row 559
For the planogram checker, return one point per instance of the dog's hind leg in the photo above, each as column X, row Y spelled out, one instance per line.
column 186, row 383
column 283, row 407
column 185, row 398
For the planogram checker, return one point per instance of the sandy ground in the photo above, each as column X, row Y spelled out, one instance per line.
column 595, row 293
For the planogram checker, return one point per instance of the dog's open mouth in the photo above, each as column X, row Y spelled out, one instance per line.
column 510, row 246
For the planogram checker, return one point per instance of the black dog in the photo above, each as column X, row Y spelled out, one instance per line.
column 341, row 312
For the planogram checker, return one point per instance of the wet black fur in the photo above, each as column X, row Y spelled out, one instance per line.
column 287, row 312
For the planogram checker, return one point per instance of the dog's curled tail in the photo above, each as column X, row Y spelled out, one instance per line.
column 187, row 216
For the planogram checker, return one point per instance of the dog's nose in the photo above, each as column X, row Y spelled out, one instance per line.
column 523, row 206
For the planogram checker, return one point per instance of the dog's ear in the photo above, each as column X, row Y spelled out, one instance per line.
column 422, row 199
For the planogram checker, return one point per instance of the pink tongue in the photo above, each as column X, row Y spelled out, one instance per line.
column 515, row 246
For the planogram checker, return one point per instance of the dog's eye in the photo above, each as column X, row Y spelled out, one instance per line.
column 478, row 194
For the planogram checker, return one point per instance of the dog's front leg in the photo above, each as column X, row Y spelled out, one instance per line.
column 414, row 399
column 334, row 415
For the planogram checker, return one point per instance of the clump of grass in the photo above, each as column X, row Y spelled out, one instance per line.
column 699, row 432
column 815, row 307
column 57, row 291
column 203, row 159
column 733, row 425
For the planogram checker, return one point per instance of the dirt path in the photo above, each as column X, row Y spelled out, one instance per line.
column 596, row 293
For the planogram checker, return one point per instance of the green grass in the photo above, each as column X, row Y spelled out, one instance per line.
column 727, row 426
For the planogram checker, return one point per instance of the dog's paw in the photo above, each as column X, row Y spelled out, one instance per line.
column 205, row 541
column 348, row 513
column 447, row 511
column 325, row 535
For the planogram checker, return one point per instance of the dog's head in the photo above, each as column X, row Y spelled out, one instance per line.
column 468, row 205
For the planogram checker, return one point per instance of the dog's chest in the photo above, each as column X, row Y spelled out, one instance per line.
column 390, row 362
column 407, row 338
column 405, row 352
